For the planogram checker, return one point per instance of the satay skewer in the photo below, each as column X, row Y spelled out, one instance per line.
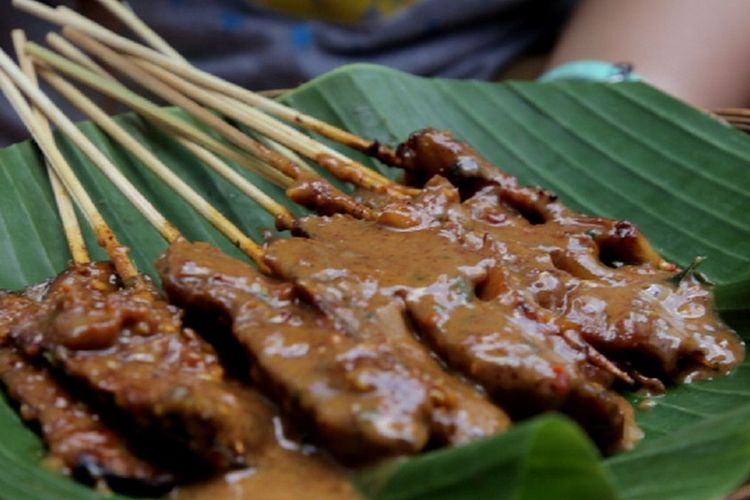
column 74, row 432
column 608, row 366
column 430, row 358
column 105, row 237
column 65, row 208
column 64, row 16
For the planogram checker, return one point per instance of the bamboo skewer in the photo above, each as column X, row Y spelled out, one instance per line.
column 334, row 161
column 345, row 168
column 71, row 228
column 169, row 232
column 19, row 40
column 288, row 153
column 76, row 55
column 227, row 228
column 185, row 69
column 154, row 112
column 64, row 16
column 146, row 80
column 128, row 17
column 81, row 141
column 224, row 225
column 105, row 237
column 284, row 218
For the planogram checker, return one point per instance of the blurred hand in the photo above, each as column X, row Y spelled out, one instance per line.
column 697, row 50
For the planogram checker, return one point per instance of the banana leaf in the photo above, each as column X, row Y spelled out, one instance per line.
column 625, row 151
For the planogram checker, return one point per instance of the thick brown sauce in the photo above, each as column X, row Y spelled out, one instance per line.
column 282, row 472
column 129, row 349
column 280, row 466
column 79, row 442
column 544, row 307
column 600, row 275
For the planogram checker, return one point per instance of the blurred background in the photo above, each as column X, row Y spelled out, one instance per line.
column 693, row 48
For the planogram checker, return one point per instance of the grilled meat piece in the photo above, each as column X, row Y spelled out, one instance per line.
column 600, row 276
column 353, row 299
column 128, row 347
column 74, row 433
column 362, row 402
column 500, row 342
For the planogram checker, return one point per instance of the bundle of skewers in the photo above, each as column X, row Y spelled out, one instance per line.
column 399, row 317
column 738, row 118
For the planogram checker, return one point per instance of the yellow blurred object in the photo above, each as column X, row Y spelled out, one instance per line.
column 340, row 11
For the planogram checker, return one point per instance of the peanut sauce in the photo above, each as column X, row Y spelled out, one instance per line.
column 281, row 472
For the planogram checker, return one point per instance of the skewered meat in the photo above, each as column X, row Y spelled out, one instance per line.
column 360, row 266
column 379, row 329
column 358, row 404
column 600, row 275
column 365, row 398
column 507, row 274
column 128, row 348
column 74, row 433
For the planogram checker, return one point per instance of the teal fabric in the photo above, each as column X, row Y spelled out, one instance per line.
column 595, row 71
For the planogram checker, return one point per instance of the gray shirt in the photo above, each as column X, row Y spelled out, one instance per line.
column 261, row 49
